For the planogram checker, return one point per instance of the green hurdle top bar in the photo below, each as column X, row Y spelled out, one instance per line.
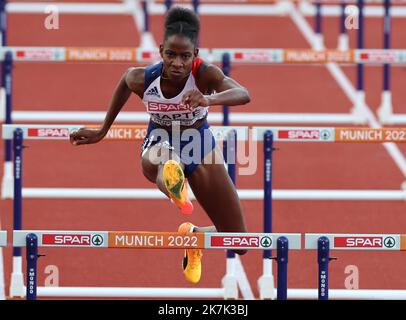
column 3, row 238
column 155, row 240
column 286, row 134
column 389, row 242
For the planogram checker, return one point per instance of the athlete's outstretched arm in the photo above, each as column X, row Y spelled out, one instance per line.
column 227, row 90
column 131, row 81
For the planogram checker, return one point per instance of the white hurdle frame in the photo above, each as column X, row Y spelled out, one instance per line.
column 213, row 117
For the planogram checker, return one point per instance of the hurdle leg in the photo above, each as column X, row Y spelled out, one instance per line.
column 226, row 67
column 6, row 109
column 32, row 257
column 282, row 259
column 17, row 280
column 318, row 40
column 323, row 259
column 385, row 110
column 343, row 39
column 266, row 284
column 147, row 39
column 230, row 281
column 360, row 105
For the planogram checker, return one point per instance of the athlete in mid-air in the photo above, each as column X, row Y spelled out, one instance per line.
column 177, row 93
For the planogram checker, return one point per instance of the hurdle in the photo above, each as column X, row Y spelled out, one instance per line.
column 283, row 134
column 142, row 55
column 280, row 7
column 332, row 8
column 387, row 10
column 385, row 110
column 309, row 134
column 323, row 243
column 217, row 55
column 32, row 239
column 273, row 8
column 265, row 283
column 17, row 283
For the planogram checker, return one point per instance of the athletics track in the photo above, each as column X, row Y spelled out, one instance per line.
column 88, row 86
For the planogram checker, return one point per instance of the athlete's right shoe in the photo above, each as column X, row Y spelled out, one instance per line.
column 175, row 184
column 192, row 259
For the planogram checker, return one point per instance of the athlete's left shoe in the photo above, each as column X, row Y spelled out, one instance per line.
column 192, row 259
column 175, row 184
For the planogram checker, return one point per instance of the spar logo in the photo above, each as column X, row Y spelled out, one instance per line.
column 266, row 242
column 389, row 242
column 256, row 56
column 364, row 242
column 378, row 56
column 28, row 54
column 82, row 240
column 302, row 134
column 166, row 107
column 235, row 241
column 48, row 132
column 150, row 55
column 97, row 240
column 325, row 134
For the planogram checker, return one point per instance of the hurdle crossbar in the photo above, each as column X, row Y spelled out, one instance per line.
column 32, row 239
column 283, row 134
column 116, row 132
column 394, row 118
column 347, row 294
column 155, row 240
column 324, row 243
column 309, row 9
column 332, row 134
column 131, row 292
column 279, row 8
column 237, row 55
column 244, row 194
column 213, row 117
column 3, row 238
column 386, row 242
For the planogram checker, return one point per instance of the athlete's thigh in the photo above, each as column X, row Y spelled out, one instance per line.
column 217, row 195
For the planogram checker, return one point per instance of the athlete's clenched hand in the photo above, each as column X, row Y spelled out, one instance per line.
column 86, row 136
column 193, row 99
